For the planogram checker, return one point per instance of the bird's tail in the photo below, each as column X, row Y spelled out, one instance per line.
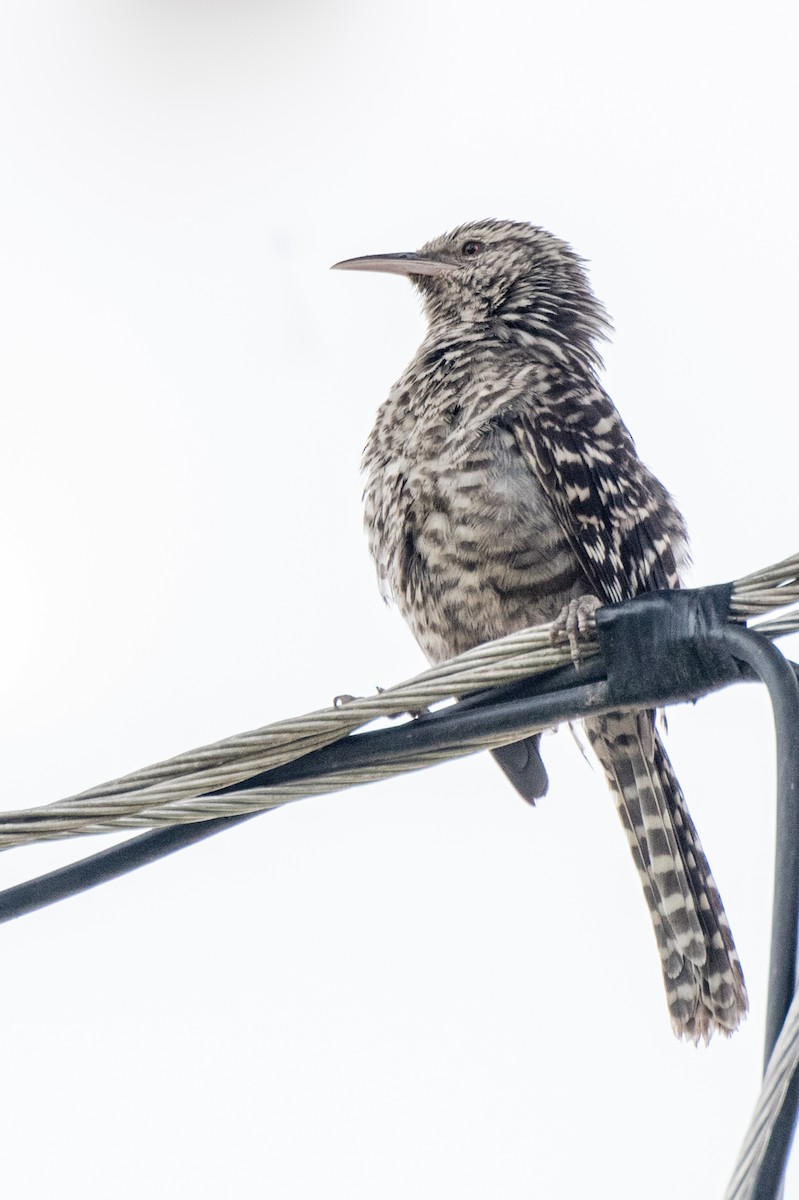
column 705, row 987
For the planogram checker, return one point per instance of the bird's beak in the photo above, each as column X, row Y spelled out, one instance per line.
column 395, row 264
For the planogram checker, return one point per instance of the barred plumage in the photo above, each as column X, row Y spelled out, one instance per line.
column 501, row 484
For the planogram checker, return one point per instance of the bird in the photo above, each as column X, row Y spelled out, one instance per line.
column 503, row 490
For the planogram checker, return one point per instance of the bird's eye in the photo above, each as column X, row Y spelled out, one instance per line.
column 471, row 248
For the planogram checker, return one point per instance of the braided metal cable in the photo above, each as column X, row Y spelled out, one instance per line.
column 166, row 792
column 776, row 1082
column 175, row 791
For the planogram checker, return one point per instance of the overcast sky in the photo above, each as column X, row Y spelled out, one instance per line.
column 422, row 988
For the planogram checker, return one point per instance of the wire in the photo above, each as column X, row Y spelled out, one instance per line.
column 502, row 710
column 775, row 1136
column 656, row 649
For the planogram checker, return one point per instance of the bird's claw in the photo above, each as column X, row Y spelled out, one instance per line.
column 574, row 623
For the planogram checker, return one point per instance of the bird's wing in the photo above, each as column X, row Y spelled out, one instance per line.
column 621, row 522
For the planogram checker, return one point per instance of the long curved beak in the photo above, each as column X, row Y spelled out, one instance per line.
column 395, row 264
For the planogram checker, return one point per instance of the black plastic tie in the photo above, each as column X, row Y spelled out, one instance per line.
column 671, row 638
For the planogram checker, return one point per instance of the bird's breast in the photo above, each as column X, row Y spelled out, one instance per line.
column 465, row 538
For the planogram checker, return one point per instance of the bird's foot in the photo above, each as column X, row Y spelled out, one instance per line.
column 575, row 622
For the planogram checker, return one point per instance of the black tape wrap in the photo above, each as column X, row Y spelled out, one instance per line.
column 672, row 637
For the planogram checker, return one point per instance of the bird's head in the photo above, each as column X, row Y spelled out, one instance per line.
column 516, row 278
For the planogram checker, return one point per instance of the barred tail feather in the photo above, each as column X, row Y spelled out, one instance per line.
column 705, row 988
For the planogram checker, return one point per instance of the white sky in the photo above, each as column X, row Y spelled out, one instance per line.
column 422, row 988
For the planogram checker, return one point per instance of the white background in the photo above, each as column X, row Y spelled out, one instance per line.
column 422, row 988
